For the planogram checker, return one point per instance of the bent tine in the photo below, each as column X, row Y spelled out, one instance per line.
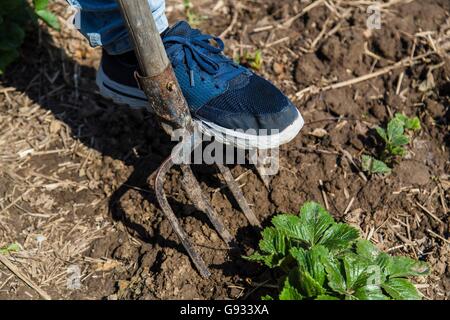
column 165, row 98
column 165, row 206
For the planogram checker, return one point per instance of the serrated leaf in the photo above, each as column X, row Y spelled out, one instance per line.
column 370, row 292
column 396, row 151
column 314, row 221
column 290, row 225
column 406, row 267
column 401, row 117
column 309, row 287
column 355, row 271
column 272, row 241
column 273, row 247
column 367, row 250
column 383, row 261
column 401, row 289
column 257, row 257
column 372, row 165
column 382, row 133
column 267, row 298
column 413, row 124
column 409, row 123
column 395, row 129
column 289, row 292
column 400, row 140
column 311, row 261
column 336, row 280
column 339, row 236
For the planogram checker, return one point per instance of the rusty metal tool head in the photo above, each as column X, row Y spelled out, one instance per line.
column 159, row 83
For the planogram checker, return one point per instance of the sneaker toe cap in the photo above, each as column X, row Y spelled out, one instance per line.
column 269, row 121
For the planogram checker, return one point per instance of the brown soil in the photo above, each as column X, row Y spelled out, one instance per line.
column 74, row 167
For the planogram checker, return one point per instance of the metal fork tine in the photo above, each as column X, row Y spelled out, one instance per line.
column 238, row 195
column 165, row 206
column 158, row 81
column 196, row 195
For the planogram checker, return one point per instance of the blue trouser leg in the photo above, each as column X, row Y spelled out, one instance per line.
column 102, row 24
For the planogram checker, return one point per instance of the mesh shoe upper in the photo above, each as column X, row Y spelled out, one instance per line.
column 220, row 91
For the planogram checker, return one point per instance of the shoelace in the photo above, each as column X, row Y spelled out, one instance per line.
column 199, row 51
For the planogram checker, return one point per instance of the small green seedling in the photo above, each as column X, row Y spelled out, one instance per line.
column 192, row 16
column 394, row 137
column 371, row 165
column 394, row 140
column 14, row 247
column 250, row 59
column 325, row 260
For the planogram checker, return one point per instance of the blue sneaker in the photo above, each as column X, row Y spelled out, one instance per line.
column 226, row 100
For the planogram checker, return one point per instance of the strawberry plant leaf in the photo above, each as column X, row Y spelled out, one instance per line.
column 370, row 292
column 334, row 264
column 355, row 271
column 290, row 225
column 401, row 289
column 400, row 140
column 382, row 133
column 267, row 298
column 314, row 221
column 409, row 123
column 311, row 261
column 339, row 236
column 367, row 250
column 309, row 286
column 395, row 129
column 372, row 165
column 289, row 292
column 401, row 267
column 273, row 246
column 413, row 124
column 336, row 280
column 396, row 151
column 273, row 241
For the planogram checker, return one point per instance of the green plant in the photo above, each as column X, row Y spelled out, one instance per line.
column 192, row 16
column 325, row 260
column 40, row 9
column 14, row 247
column 394, row 139
column 15, row 15
column 250, row 59
column 372, row 165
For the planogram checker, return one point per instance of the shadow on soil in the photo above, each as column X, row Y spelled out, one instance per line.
column 59, row 84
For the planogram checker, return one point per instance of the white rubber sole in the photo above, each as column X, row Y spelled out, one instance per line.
column 269, row 139
column 136, row 99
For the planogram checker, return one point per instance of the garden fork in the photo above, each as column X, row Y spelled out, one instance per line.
column 161, row 87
